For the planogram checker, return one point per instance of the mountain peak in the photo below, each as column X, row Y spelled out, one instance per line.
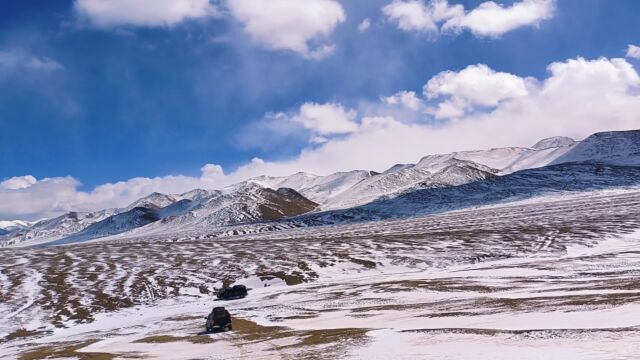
column 195, row 194
column 553, row 142
column 13, row 225
column 397, row 167
column 154, row 200
column 626, row 135
column 611, row 147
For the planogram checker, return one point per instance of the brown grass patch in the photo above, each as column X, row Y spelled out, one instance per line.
column 22, row 333
column 329, row 336
column 299, row 317
column 184, row 318
column 306, row 341
column 294, row 278
column 159, row 339
column 67, row 350
column 253, row 332
column 162, row 339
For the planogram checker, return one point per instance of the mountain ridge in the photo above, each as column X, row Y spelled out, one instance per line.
column 240, row 204
column 271, row 199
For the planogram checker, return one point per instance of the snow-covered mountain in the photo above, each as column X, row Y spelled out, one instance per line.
column 522, row 185
column 446, row 172
column 115, row 224
column 533, row 158
column 498, row 158
column 52, row 229
column 435, row 183
column 320, row 189
column 347, row 189
column 242, row 203
column 614, row 148
column 553, row 142
column 7, row 227
column 603, row 160
column 82, row 223
column 154, row 201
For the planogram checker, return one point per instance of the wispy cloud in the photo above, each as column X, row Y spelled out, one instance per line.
column 633, row 51
column 19, row 59
column 364, row 25
column 316, row 122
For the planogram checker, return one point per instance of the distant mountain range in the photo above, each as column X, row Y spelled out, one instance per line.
column 7, row 227
column 436, row 183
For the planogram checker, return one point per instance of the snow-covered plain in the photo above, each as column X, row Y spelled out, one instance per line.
column 552, row 277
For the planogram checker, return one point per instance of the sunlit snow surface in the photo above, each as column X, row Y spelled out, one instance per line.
column 550, row 278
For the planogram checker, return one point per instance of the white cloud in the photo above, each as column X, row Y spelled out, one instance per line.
column 578, row 98
column 489, row 19
column 492, row 19
column 364, row 25
column 416, row 15
column 633, row 51
column 454, row 107
column 474, row 85
column 318, row 139
column 29, row 198
column 43, row 64
column 410, row 15
column 299, row 26
column 18, row 182
column 150, row 13
column 327, row 119
column 321, row 52
column 407, row 99
column 211, row 172
column 289, row 24
column 39, row 199
column 20, row 59
column 314, row 122
column 271, row 131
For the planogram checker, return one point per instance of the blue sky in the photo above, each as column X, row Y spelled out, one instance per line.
column 99, row 96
